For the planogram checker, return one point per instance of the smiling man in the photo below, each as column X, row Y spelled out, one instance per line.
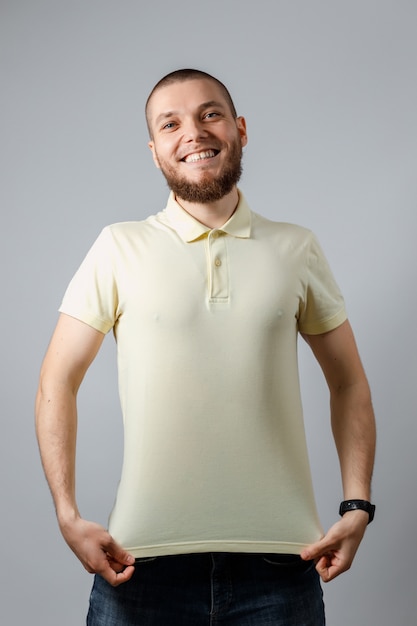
column 215, row 519
column 197, row 142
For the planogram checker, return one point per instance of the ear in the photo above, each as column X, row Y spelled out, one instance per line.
column 155, row 158
column 241, row 126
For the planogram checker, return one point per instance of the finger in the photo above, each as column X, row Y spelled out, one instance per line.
column 324, row 569
column 328, row 568
column 114, row 574
column 118, row 578
column 115, row 565
column 315, row 550
column 116, row 554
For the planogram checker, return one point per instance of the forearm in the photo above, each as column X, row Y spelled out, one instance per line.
column 72, row 348
column 353, row 426
column 56, row 428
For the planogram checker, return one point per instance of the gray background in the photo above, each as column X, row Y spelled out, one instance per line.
column 329, row 91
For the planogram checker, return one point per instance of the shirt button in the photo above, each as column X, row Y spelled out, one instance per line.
column 217, row 262
column 214, row 234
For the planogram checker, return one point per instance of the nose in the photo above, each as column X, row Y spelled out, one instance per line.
column 194, row 129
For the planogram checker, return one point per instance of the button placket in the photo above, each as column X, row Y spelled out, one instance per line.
column 217, row 266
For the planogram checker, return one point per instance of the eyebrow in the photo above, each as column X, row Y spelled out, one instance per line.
column 201, row 107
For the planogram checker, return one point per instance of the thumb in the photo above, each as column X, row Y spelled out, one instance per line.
column 116, row 553
column 314, row 550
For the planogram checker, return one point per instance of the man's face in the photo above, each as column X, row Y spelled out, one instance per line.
column 196, row 141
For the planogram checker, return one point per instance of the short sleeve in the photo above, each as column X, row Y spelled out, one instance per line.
column 91, row 295
column 322, row 308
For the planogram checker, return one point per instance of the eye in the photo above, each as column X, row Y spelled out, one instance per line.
column 211, row 115
column 168, row 126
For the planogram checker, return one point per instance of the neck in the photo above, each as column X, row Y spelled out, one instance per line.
column 214, row 214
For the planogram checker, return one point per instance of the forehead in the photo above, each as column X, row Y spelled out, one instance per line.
column 185, row 96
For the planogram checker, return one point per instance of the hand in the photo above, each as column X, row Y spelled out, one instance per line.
column 98, row 551
column 335, row 552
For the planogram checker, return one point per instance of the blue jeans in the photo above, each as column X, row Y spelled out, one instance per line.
column 212, row 589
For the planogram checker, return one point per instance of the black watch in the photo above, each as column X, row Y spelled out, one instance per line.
column 354, row 505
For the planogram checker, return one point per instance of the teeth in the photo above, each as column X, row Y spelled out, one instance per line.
column 192, row 158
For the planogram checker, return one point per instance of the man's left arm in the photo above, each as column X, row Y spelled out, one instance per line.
column 353, row 426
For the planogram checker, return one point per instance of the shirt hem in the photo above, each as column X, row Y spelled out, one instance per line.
column 259, row 547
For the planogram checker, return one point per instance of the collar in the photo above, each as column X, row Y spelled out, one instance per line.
column 190, row 229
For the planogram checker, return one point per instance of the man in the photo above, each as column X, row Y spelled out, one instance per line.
column 215, row 516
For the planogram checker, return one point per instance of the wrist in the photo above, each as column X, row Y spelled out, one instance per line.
column 67, row 516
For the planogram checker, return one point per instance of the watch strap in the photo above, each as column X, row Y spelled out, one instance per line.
column 354, row 505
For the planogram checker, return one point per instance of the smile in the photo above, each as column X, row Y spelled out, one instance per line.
column 200, row 156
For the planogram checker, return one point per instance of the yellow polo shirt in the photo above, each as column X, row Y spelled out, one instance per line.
column 206, row 324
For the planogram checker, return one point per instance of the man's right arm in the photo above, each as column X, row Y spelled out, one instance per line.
column 72, row 349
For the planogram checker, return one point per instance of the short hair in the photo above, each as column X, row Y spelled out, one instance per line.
column 179, row 76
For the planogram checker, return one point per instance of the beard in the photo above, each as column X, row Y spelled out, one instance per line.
column 207, row 189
